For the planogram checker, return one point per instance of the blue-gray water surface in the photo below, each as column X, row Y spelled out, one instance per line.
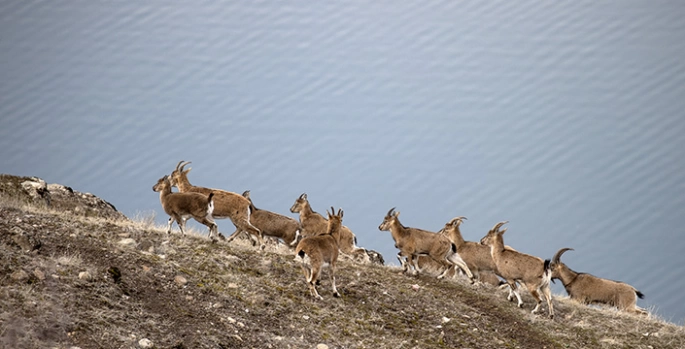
column 567, row 119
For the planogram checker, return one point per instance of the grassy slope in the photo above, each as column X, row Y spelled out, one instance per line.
column 237, row 297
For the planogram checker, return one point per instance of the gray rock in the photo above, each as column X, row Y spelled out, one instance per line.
column 19, row 275
column 128, row 242
column 180, row 280
column 27, row 241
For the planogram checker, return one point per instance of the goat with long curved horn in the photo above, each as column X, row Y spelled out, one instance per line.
column 589, row 289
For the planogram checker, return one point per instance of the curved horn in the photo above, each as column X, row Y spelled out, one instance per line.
column 179, row 164
column 499, row 225
column 459, row 219
column 390, row 212
column 332, row 211
column 557, row 255
column 246, row 194
column 184, row 165
column 303, row 196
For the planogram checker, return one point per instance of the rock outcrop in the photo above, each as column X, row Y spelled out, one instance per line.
column 35, row 191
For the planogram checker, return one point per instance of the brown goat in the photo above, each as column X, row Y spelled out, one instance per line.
column 226, row 204
column 321, row 249
column 180, row 206
column 477, row 256
column 515, row 267
column 589, row 289
column 312, row 223
column 413, row 242
column 274, row 224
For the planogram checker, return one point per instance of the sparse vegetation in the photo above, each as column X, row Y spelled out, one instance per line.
column 192, row 293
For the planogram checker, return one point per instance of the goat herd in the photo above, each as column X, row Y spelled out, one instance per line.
column 318, row 240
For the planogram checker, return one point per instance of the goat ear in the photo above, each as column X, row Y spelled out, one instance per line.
column 188, row 170
column 503, row 231
column 397, row 214
column 303, row 196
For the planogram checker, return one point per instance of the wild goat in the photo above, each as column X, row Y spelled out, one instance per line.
column 477, row 256
column 274, row 224
column 180, row 206
column 321, row 249
column 515, row 266
column 312, row 223
column 588, row 289
column 226, row 204
column 413, row 242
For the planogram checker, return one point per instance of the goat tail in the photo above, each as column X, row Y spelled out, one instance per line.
column 639, row 294
column 547, row 273
column 299, row 255
column 210, row 204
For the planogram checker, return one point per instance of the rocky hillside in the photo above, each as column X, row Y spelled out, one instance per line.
column 77, row 273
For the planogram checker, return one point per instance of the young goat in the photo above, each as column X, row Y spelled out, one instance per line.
column 321, row 249
column 413, row 242
column 588, row 289
column 227, row 204
column 274, row 224
column 313, row 223
column 515, row 266
column 180, row 206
